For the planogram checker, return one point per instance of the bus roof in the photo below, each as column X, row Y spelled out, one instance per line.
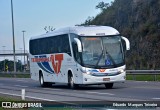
column 82, row 31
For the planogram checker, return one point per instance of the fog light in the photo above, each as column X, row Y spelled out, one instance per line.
column 85, row 79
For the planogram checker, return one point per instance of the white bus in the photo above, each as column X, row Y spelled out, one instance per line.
column 80, row 55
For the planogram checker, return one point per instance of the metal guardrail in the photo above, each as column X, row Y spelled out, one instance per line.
column 143, row 72
column 134, row 73
column 14, row 72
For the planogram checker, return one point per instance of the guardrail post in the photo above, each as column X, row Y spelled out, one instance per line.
column 14, row 75
column 134, row 77
column 155, row 77
column 23, row 94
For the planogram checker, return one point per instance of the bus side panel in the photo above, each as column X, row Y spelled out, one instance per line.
column 33, row 69
column 61, row 76
column 60, row 69
column 78, row 76
column 68, row 64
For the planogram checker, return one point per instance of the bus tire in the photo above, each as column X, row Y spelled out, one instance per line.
column 71, row 83
column 41, row 81
column 108, row 85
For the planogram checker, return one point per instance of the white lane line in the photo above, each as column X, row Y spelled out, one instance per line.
column 146, row 88
column 51, row 89
column 20, row 86
column 9, row 94
column 43, row 99
column 99, row 93
column 156, row 98
column 22, row 80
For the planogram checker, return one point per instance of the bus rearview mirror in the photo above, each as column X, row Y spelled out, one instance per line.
column 127, row 43
column 79, row 45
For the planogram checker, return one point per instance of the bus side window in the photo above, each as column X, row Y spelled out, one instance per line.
column 75, row 52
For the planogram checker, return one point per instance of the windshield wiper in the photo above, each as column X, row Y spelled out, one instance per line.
column 99, row 58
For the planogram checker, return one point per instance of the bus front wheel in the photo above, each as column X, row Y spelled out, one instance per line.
column 71, row 83
column 108, row 85
column 41, row 81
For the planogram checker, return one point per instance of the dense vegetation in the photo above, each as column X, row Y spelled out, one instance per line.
column 9, row 65
column 139, row 21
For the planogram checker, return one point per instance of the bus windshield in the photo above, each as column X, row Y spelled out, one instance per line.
column 102, row 52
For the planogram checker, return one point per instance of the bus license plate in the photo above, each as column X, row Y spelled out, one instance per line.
column 106, row 79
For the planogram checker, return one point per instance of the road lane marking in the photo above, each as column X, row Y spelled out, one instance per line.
column 20, row 86
column 156, row 98
column 9, row 94
column 99, row 93
column 1, row 84
column 51, row 89
column 146, row 87
column 22, row 80
column 43, row 99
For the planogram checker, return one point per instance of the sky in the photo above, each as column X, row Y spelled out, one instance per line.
column 33, row 15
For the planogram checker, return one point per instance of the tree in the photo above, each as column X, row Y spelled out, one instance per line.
column 102, row 6
column 139, row 21
column 10, row 65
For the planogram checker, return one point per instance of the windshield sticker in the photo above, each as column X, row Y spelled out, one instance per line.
column 108, row 62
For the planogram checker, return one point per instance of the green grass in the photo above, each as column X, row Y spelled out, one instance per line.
column 143, row 77
column 15, row 75
column 4, row 98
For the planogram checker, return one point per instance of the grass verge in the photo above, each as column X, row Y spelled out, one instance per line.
column 144, row 77
column 8, row 98
column 15, row 75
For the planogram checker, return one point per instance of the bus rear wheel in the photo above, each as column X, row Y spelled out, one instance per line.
column 108, row 85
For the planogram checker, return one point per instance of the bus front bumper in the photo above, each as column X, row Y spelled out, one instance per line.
column 89, row 79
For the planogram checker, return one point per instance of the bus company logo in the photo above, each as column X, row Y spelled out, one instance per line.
column 43, row 62
column 102, row 70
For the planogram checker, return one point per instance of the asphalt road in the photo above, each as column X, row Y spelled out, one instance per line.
column 128, row 91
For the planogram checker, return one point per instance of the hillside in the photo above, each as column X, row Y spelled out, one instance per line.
column 139, row 21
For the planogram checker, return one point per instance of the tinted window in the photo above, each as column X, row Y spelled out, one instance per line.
column 55, row 44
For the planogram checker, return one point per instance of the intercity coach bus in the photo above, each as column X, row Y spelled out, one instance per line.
column 80, row 55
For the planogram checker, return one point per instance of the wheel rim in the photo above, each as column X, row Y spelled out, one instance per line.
column 41, row 80
column 71, row 82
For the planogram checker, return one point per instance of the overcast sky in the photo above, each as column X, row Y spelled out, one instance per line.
column 33, row 15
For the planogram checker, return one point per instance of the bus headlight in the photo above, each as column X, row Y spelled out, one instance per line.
column 88, row 72
column 83, row 70
column 121, row 70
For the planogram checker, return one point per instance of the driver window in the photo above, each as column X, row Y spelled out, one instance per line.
column 75, row 52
